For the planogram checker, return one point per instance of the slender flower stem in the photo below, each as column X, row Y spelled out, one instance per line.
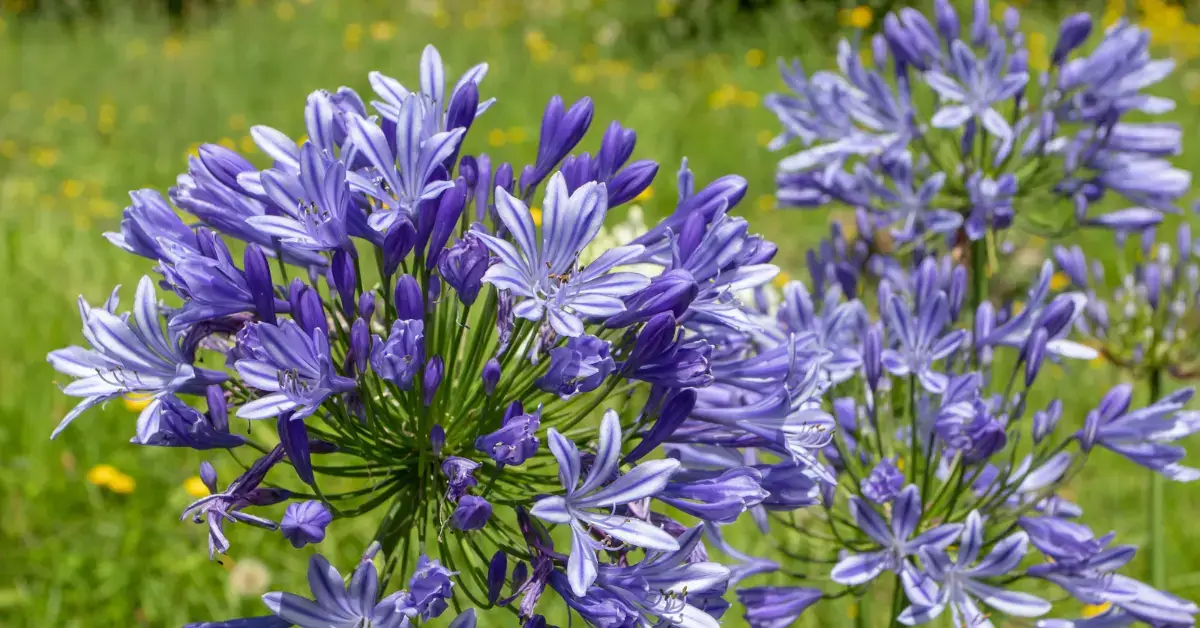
column 897, row 602
column 1158, row 550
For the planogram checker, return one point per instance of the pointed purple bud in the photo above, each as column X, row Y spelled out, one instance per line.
column 946, row 19
column 344, row 280
column 459, row 476
column 631, row 181
column 497, row 572
column 472, row 513
column 432, row 378
column 463, row 267
column 437, row 439
column 491, row 376
column 1152, row 279
column 1127, row 220
column 504, row 177
column 873, row 356
column 306, row 308
column 985, row 322
column 360, row 345
column 672, row 291
column 482, row 190
column 435, row 294
column 224, row 164
column 958, row 291
column 1035, row 353
column 409, row 303
column 258, row 279
column 579, row 366
column 449, row 210
column 208, row 475
column 673, row 413
column 1057, row 315
column 293, row 436
column 1071, row 34
column 615, row 149
column 397, row 244
column 460, row 112
column 218, row 408
column 561, row 131
column 690, row 235
column 398, row 359
column 1012, row 21
column 366, row 304
column 468, row 169
column 304, row 523
column 1044, row 421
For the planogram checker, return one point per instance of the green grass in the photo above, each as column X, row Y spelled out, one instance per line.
column 89, row 113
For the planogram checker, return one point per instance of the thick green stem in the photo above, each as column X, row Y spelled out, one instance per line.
column 1158, row 548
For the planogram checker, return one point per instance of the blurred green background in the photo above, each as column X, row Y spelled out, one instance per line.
column 97, row 98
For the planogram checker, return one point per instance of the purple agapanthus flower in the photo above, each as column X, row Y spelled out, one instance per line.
column 906, row 202
column 776, row 607
column 975, row 89
column 304, row 523
column 320, row 222
column 1143, row 435
column 896, row 541
column 883, row 483
column 547, row 276
column 131, row 353
column 227, row 505
column 516, row 441
column 1056, row 315
column 576, row 507
column 173, row 423
column 212, row 286
column 429, row 588
column 832, row 327
column 408, row 173
column 960, row 580
column 579, row 366
column 922, row 341
column 402, row 355
column 342, row 604
column 991, row 204
column 150, row 228
column 460, row 109
column 293, row 367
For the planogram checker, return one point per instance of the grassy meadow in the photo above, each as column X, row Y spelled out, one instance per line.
column 92, row 109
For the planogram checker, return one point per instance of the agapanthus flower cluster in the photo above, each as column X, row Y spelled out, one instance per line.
column 389, row 327
column 1145, row 321
column 939, row 128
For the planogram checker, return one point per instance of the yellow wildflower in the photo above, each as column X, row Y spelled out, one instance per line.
column 723, row 96
column 539, row 48
column 72, row 188
column 648, row 81
column 101, row 474
column 227, row 142
column 583, row 74
column 755, row 57
column 285, row 12
column 45, row 157
column 861, row 16
column 1093, row 610
column 748, row 99
column 516, row 135
column 352, row 36
column 496, row 138
column 247, row 144
column 195, row 487
column 764, row 137
column 781, row 279
column 122, row 484
column 644, row 195
column 665, row 8
column 765, row 202
column 172, row 47
column 383, row 31
column 536, row 214
column 237, row 122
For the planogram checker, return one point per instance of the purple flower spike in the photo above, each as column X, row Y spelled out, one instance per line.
column 472, row 513
column 305, row 523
